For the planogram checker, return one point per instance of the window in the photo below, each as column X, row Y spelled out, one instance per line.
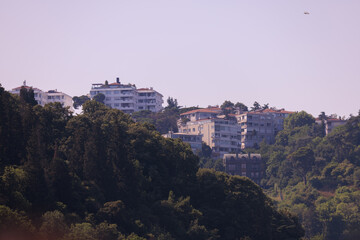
column 243, row 174
column 231, row 167
column 243, row 165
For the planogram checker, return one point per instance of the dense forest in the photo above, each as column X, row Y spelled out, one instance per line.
column 101, row 175
column 317, row 177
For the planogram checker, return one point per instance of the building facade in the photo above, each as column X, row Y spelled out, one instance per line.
column 50, row 96
column 63, row 98
column 194, row 140
column 247, row 165
column 127, row 98
column 260, row 125
column 221, row 134
column 330, row 123
column 149, row 99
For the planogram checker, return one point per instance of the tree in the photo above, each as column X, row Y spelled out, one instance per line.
column 53, row 225
column 227, row 107
column 78, row 101
column 256, row 106
column 265, row 106
column 99, row 97
column 298, row 120
column 172, row 104
column 241, row 107
column 27, row 96
column 302, row 160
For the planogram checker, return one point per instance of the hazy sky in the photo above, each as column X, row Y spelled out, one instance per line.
column 201, row 52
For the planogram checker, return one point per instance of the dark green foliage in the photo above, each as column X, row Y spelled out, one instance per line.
column 27, row 95
column 78, row 101
column 299, row 119
column 326, row 203
column 100, row 175
column 241, row 106
column 99, row 97
column 256, row 106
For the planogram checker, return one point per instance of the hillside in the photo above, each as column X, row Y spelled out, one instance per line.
column 317, row 177
column 100, row 175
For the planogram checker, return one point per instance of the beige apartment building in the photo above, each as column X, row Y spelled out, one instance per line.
column 221, row 134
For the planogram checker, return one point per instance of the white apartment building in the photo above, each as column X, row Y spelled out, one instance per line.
column 149, row 99
column 39, row 95
column 43, row 98
column 63, row 98
column 127, row 98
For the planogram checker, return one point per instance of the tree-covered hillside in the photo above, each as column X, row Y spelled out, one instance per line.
column 317, row 177
column 100, row 175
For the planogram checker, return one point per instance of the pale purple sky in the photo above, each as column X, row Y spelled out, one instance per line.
column 201, row 52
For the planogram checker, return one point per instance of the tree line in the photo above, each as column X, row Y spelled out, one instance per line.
column 101, row 175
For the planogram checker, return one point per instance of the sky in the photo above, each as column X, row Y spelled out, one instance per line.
column 200, row 52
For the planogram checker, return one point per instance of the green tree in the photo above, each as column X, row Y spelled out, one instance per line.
column 27, row 95
column 53, row 225
column 241, row 106
column 78, row 101
column 99, row 97
column 303, row 159
column 299, row 119
column 256, row 106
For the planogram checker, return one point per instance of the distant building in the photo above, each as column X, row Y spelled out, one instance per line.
column 43, row 98
column 195, row 140
column 221, row 134
column 247, row 165
column 149, row 99
column 127, row 97
column 63, row 98
column 39, row 95
column 331, row 123
column 260, row 125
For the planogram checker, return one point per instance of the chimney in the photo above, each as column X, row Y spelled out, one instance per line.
column 117, row 80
